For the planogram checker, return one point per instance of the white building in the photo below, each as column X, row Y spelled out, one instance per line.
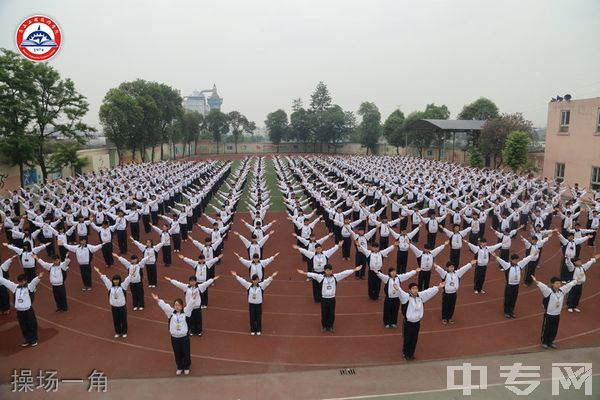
column 203, row 101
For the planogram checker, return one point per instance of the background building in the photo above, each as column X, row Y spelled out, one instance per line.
column 573, row 142
column 203, row 101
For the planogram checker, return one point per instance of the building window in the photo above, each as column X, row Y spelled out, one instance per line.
column 559, row 172
column 229, row 147
column 595, row 184
column 565, row 118
column 429, row 153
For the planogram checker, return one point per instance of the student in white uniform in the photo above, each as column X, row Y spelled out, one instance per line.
column 4, row 297
column 577, row 268
column 328, row 281
column 451, row 277
column 178, row 328
column 513, row 280
column 193, row 293
column 24, row 305
column 117, row 297
column 554, row 297
column 391, row 288
column 412, row 308
column 255, row 291
column 134, row 269
column 57, row 268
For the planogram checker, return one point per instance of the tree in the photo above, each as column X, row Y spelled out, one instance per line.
column 417, row 139
column 320, row 103
column 392, row 129
column 17, row 144
column 277, row 126
column 475, row 157
column 495, row 131
column 516, row 149
column 481, row 109
column 191, row 124
column 240, row 124
column 58, row 110
column 438, row 112
column 121, row 118
column 217, row 124
column 169, row 105
column 65, row 155
column 370, row 126
column 300, row 123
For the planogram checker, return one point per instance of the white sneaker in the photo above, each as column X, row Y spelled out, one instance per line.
column 570, row 310
column 135, row 308
column 124, row 335
column 140, row 308
column 117, row 335
column 252, row 333
column 186, row 372
column 482, row 292
column 203, row 306
column 476, row 292
column 178, row 372
column 577, row 310
column 257, row 333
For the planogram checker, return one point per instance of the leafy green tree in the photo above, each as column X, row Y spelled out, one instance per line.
column 418, row 139
column 65, row 155
column 121, row 118
column 240, row 125
column 438, row 112
column 217, row 123
column 58, row 110
column 17, row 145
column 320, row 103
column 370, row 126
column 481, row 109
column 495, row 132
column 169, row 103
column 475, row 157
column 277, row 126
column 300, row 123
column 191, row 122
column 516, row 149
column 392, row 129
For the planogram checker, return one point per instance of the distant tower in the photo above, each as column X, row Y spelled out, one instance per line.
column 214, row 101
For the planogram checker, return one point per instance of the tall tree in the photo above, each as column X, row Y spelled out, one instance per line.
column 418, row 139
column 337, row 125
column 240, row 125
column 300, row 123
column 392, row 129
column 496, row 130
column 217, row 123
column 169, row 103
column 17, row 145
column 480, row 109
column 277, row 126
column 121, row 118
column 66, row 155
column 191, row 125
column 58, row 110
column 516, row 150
column 370, row 126
column 320, row 103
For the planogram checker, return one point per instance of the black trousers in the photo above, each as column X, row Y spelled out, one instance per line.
column 137, row 293
column 431, row 239
column 574, row 296
column 479, row 277
column 401, row 261
column 119, row 315
column 510, row 298
column 30, row 273
column 122, row 240
column 384, row 242
column 176, row 241
column 423, row 279
column 151, row 269
column 327, row 312
column 415, row 238
column 204, row 296
column 181, row 350
column 195, row 321
column 60, row 297
column 316, row 289
column 346, row 247
column 455, row 257
column 448, row 305
column 166, row 253
column 531, row 266
column 361, row 260
column 146, row 222
column 63, row 253
column 255, row 311
column 391, row 305
column 411, row 335
column 550, row 328
column 183, row 231
column 154, row 217
column 374, row 285
column 86, row 275
column 28, row 325
column 107, row 250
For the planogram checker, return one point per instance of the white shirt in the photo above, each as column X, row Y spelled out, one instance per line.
column 255, row 293
column 116, row 294
column 414, row 311
column 177, row 320
column 22, row 297
column 555, row 298
column 329, row 283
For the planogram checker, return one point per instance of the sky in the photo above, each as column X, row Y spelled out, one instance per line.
column 261, row 54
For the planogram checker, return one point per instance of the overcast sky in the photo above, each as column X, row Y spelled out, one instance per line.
column 262, row 54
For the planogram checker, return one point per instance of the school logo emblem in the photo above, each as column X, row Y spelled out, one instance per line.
column 38, row 38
